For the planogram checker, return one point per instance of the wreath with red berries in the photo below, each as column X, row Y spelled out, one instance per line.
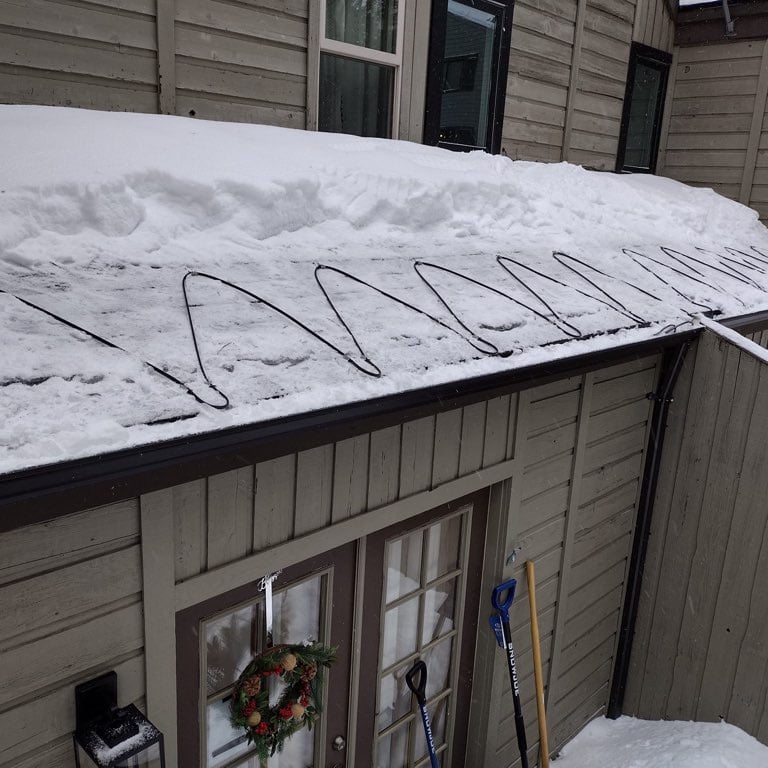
column 299, row 669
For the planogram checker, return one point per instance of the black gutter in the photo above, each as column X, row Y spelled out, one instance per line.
column 672, row 363
column 42, row 493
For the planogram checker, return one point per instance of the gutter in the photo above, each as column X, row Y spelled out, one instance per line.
column 42, row 493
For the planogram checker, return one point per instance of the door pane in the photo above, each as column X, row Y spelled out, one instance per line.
column 369, row 23
column 643, row 115
column 443, row 545
column 232, row 639
column 468, row 62
column 403, row 566
column 355, row 97
column 401, row 631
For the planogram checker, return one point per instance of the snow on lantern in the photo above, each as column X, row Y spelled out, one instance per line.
column 109, row 736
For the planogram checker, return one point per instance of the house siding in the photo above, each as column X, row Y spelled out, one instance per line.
column 699, row 649
column 570, row 454
column 563, row 461
column 70, row 609
column 255, row 60
column 101, row 55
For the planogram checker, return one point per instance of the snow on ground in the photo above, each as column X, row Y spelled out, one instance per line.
column 271, row 272
column 631, row 743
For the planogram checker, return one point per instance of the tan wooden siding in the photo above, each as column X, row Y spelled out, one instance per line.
column 654, row 25
column 70, row 609
column 538, row 78
column 242, row 61
column 572, row 512
column 600, row 76
column 699, row 650
column 101, row 55
column 259, row 507
column 716, row 132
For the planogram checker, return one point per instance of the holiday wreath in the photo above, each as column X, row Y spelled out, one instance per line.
column 299, row 669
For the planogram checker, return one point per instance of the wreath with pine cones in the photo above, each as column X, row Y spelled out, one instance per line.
column 299, row 669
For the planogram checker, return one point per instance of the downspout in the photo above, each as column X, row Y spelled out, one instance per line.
column 729, row 30
column 671, row 366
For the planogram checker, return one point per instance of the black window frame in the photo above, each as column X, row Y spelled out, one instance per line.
column 435, row 77
column 661, row 61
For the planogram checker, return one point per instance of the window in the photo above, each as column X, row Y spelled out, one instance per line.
column 467, row 73
column 643, row 109
column 360, row 63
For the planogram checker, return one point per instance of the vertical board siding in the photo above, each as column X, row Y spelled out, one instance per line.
column 92, row 55
column 713, row 109
column 538, row 76
column 700, row 651
column 70, row 608
column 654, row 25
column 242, row 61
column 595, row 426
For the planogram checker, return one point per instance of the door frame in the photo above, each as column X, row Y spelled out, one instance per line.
column 371, row 615
column 341, row 564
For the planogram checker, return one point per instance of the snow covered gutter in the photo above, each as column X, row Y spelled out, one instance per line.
column 82, row 483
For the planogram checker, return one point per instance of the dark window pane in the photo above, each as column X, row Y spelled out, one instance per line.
column 370, row 23
column 355, row 97
column 468, row 72
column 643, row 115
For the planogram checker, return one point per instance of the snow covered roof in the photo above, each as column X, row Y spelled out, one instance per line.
column 164, row 277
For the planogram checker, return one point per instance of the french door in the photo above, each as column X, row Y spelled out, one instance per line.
column 216, row 640
column 467, row 73
column 421, row 603
column 420, row 593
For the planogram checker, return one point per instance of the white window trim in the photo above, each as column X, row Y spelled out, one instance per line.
column 360, row 53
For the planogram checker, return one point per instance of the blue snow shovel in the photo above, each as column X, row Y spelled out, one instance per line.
column 502, row 598
column 419, row 691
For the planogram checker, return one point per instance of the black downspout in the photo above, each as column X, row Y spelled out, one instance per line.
column 672, row 362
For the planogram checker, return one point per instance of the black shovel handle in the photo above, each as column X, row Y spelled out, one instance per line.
column 418, row 689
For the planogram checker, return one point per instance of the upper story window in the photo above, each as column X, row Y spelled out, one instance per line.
column 360, row 67
column 643, row 109
column 467, row 76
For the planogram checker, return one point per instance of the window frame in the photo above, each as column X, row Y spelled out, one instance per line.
column 661, row 61
column 435, row 72
column 367, row 55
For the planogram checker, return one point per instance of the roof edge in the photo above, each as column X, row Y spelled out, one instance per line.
column 43, row 493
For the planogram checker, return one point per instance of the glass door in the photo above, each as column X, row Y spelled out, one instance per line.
column 421, row 602
column 217, row 639
column 468, row 59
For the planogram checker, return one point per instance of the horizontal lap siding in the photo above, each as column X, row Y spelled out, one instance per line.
column 70, row 609
column 101, row 55
column 244, row 61
column 577, row 529
column 599, row 97
column 699, row 650
column 537, row 82
column 711, row 115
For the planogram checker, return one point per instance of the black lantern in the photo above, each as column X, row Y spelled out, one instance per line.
column 109, row 736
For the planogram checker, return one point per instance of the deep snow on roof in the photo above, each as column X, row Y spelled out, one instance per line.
column 162, row 277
